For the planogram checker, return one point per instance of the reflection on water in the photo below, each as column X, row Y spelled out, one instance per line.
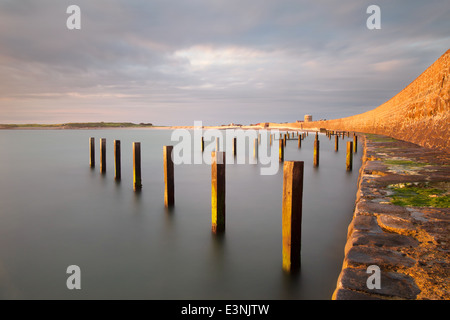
column 56, row 211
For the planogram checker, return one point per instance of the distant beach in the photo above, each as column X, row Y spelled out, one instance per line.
column 129, row 125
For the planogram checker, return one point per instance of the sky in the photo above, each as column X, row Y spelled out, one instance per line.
column 173, row 62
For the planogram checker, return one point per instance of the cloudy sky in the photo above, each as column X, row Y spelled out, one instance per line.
column 247, row 61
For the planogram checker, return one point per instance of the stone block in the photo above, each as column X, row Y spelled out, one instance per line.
column 380, row 240
column 392, row 284
column 346, row 294
column 364, row 223
column 396, row 224
column 362, row 256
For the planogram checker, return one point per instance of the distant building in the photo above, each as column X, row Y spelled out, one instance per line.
column 308, row 118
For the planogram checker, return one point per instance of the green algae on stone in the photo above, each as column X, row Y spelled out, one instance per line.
column 378, row 138
column 408, row 163
column 420, row 195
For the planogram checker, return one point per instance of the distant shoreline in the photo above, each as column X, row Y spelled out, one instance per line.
column 128, row 125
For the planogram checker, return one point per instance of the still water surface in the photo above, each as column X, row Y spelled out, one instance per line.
column 55, row 212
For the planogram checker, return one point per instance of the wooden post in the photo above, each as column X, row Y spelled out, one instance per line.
column 92, row 152
column 292, row 214
column 316, row 152
column 281, row 151
column 299, row 141
column 234, row 146
column 355, row 143
column 218, row 192
column 203, row 144
column 169, row 186
column 349, row 158
column 270, row 139
column 117, row 163
column 137, row 180
column 103, row 155
column 284, row 140
column 336, row 143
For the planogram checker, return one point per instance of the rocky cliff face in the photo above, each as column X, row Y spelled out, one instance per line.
column 420, row 113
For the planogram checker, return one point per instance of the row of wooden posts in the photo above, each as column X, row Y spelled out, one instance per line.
column 351, row 145
column 169, row 186
column 292, row 188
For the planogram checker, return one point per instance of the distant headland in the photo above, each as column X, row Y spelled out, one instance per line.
column 77, row 125
column 130, row 125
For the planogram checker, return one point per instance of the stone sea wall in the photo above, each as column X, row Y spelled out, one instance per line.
column 400, row 224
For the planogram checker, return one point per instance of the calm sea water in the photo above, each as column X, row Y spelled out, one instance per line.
column 55, row 212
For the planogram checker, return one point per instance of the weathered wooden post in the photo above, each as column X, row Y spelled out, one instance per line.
column 117, row 162
column 355, row 143
column 234, row 146
column 92, row 152
column 203, row 144
column 284, row 140
column 270, row 139
column 316, row 152
column 137, row 180
column 102, row 155
column 299, row 141
column 169, row 186
column 292, row 215
column 218, row 192
column 336, row 143
column 281, row 150
column 349, row 158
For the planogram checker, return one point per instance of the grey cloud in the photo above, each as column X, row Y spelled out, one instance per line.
column 137, row 59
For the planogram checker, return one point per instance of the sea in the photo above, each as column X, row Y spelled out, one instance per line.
column 57, row 212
